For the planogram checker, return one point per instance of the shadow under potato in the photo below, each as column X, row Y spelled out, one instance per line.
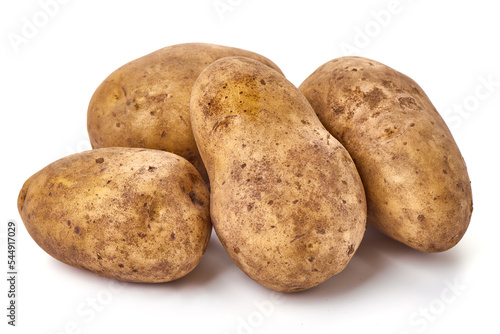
column 376, row 256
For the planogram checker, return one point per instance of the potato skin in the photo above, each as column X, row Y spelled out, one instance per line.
column 130, row 214
column 145, row 103
column 286, row 200
column 416, row 182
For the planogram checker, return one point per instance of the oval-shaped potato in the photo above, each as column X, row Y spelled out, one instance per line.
column 130, row 214
column 145, row 103
column 286, row 200
column 416, row 182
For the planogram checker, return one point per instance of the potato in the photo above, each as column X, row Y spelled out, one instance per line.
column 416, row 182
column 145, row 103
column 286, row 200
column 130, row 214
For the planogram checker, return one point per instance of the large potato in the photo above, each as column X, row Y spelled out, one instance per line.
column 416, row 182
column 145, row 103
column 286, row 200
column 126, row 213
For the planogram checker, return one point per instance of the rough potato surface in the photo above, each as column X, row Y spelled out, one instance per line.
column 286, row 200
column 416, row 182
column 145, row 103
column 126, row 213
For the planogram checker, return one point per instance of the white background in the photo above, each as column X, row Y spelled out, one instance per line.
column 450, row 48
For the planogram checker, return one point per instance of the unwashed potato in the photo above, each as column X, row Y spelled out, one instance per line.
column 126, row 213
column 416, row 182
column 286, row 200
column 145, row 103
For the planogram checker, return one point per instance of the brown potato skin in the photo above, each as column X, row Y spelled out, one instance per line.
column 131, row 214
column 416, row 182
column 145, row 103
column 286, row 200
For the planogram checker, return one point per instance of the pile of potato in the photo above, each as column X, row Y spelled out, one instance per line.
column 198, row 134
